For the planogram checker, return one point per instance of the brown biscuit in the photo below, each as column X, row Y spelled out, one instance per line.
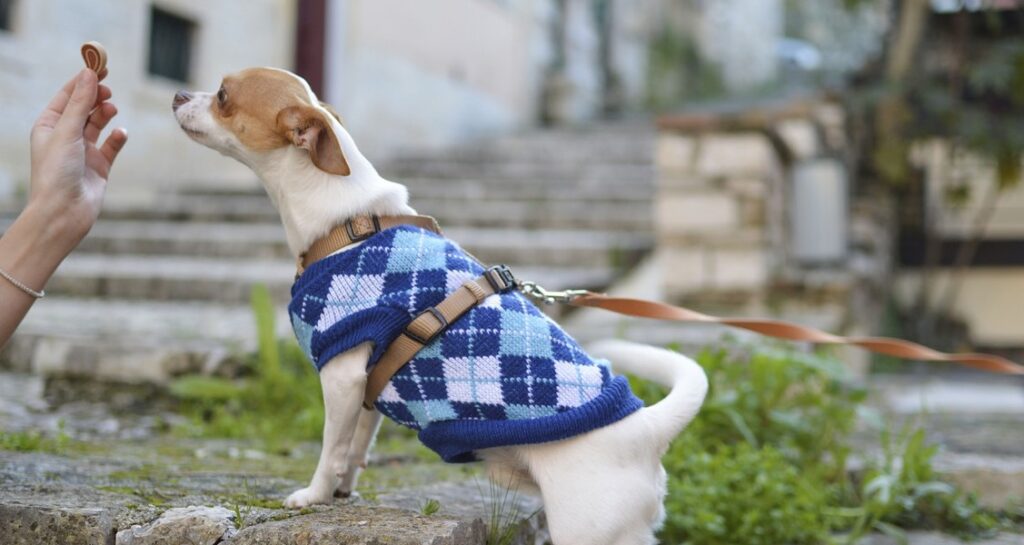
column 95, row 57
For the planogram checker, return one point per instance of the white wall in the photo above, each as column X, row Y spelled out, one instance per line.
column 412, row 74
column 42, row 52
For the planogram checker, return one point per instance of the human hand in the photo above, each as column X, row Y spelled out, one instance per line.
column 69, row 170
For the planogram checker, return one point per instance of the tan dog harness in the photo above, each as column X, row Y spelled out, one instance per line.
column 433, row 321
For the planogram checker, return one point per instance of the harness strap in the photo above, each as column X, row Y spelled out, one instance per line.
column 357, row 229
column 785, row 330
column 432, row 322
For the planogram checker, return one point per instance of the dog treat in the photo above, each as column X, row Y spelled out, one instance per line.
column 95, row 57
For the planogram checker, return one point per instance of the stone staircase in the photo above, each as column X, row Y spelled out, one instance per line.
column 160, row 290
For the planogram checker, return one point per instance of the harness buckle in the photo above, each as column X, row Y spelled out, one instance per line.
column 500, row 278
column 426, row 340
column 358, row 230
column 548, row 297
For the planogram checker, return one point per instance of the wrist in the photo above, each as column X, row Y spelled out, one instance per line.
column 40, row 236
column 54, row 225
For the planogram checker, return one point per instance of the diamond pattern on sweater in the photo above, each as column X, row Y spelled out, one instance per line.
column 504, row 360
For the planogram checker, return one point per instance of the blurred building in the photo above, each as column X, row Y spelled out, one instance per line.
column 403, row 74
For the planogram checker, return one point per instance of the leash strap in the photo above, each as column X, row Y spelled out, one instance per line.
column 357, row 229
column 432, row 322
column 785, row 330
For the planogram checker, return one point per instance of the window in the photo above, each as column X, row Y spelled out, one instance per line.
column 7, row 14
column 170, row 45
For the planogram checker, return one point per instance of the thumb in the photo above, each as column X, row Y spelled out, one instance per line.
column 83, row 97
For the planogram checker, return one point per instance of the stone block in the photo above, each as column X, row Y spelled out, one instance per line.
column 832, row 119
column 748, row 186
column 800, row 136
column 736, row 154
column 752, row 212
column 674, row 152
column 683, row 270
column 738, row 268
column 194, row 525
column 688, row 180
column 71, row 525
column 695, row 212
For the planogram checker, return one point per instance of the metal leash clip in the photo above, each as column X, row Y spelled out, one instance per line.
column 532, row 289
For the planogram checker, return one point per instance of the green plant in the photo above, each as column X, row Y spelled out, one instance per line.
column 766, row 460
column 902, row 490
column 278, row 400
column 502, row 501
column 34, row 441
column 430, row 507
column 742, row 494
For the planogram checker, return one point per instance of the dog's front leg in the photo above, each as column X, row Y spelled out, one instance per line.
column 366, row 431
column 343, row 380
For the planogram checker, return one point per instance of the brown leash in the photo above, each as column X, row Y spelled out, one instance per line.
column 433, row 321
column 785, row 330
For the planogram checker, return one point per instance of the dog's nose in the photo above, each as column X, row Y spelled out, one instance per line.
column 181, row 97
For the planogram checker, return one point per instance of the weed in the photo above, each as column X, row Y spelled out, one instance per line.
column 504, row 512
column 278, row 401
column 765, row 461
column 430, row 507
column 34, row 441
column 240, row 515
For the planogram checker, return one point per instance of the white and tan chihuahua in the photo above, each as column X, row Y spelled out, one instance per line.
column 602, row 487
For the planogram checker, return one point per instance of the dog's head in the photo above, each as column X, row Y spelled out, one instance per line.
column 259, row 110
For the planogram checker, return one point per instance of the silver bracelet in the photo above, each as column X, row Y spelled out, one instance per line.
column 22, row 287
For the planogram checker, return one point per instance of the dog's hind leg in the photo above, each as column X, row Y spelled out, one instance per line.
column 362, row 442
column 506, row 470
column 342, row 380
column 599, row 489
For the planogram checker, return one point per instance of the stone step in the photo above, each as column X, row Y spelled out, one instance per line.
column 477, row 190
column 520, row 172
column 133, row 495
column 186, row 278
column 166, row 278
column 248, row 240
column 212, row 205
column 460, row 210
column 511, row 213
column 249, row 206
column 257, row 242
column 568, row 152
column 132, row 341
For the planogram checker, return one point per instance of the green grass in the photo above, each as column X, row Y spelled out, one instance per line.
column 430, row 507
column 765, row 461
column 278, row 400
column 35, row 441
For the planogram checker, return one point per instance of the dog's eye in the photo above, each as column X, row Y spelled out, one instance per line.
column 222, row 96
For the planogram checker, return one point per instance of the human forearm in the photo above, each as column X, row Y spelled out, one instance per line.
column 30, row 251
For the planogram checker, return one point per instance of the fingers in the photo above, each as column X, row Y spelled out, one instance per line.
column 113, row 144
column 51, row 114
column 98, row 120
column 104, row 94
column 81, row 102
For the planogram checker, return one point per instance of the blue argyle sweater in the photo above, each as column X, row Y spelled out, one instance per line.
column 502, row 374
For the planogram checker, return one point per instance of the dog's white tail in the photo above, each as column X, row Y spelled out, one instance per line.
column 686, row 379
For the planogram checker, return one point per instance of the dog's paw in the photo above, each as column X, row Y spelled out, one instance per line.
column 342, row 493
column 304, row 498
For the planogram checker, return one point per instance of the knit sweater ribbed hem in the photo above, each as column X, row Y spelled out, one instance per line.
column 456, row 440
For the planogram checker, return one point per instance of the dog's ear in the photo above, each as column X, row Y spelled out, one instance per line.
column 331, row 111
column 310, row 129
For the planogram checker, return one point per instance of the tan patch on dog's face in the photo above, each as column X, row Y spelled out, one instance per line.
column 248, row 104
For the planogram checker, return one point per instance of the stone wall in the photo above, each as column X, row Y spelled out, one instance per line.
column 41, row 52
column 755, row 215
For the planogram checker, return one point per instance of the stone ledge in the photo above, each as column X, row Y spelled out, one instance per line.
column 74, row 500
